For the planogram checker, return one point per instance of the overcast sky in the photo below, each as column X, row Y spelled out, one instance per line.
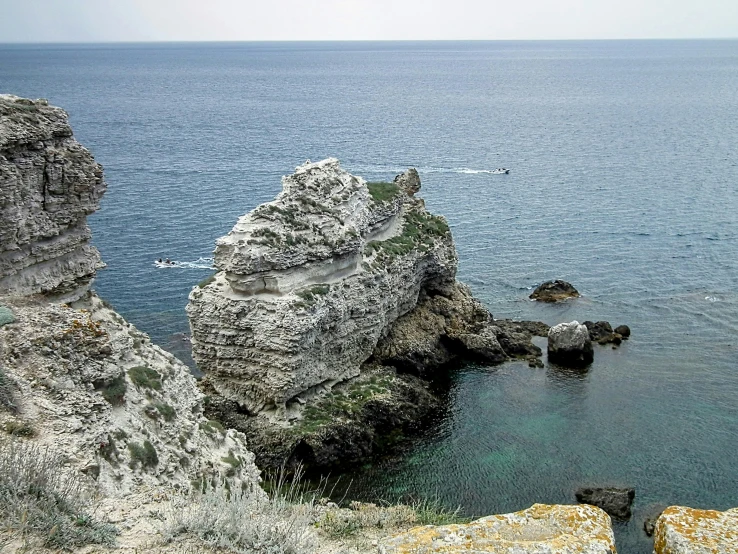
column 225, row 20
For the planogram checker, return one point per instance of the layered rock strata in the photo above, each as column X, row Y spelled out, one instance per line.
column 76, row 377
column 49, row 184
column 541, row 529
column 681, row 530
column 313, row 284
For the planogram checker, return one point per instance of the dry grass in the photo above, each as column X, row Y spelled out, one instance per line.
column 42, row 503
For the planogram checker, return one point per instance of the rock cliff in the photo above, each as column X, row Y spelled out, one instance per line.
column 309, row 283
column 49, row 184
column 76, row 379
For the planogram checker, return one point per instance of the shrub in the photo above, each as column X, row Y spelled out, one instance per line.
column 383, row 192
column 115, row 391
column 244, row 520
column 20, row 429
column 7, row 397
column 41, row 502
column 166, row 411
column 145, row 377
column 6, row 316
column 144, row 455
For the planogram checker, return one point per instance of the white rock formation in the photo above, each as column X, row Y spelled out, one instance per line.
column 569, row 344
column 681, row 530
column 78, row 378
column 541, row 529
column 309, row 283
column 49, row 184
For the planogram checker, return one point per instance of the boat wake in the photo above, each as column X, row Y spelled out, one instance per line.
column 199, row 263
column 458, row 170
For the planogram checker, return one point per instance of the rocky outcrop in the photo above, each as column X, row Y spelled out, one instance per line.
column 76, row 377
column 681, row 530
column 554, row 291
column 614, row 500
column 333, row 272
column 49, row 184
column 541, row 529
column 356, row 420
column 123, row 411
column 569, row 345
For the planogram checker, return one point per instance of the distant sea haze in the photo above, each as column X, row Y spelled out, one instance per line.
column 623, row 180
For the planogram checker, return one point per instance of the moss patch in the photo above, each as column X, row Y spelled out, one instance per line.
column 419, row 232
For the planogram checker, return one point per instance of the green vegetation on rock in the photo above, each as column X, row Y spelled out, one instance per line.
column 341, row 403
column 311, row 294
column 145, row 377
column 6, row 316
column 144, row 455
column 419, row 231
column 115, row 391
column 42, row 504
column 166, row 411
column 383, row 192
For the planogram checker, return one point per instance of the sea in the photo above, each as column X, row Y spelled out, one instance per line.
column 623, row 159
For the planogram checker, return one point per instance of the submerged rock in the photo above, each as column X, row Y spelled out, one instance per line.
column 49, row 184
column 541, row 529
column 615, row 501
column 681, row 530
column 569, row 345
column 554, row 291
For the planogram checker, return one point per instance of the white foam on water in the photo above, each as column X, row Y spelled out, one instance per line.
column 199, row 263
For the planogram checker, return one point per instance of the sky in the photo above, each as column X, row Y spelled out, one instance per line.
column 245, row 20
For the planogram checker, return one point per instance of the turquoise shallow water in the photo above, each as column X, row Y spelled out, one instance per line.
column 624, row 181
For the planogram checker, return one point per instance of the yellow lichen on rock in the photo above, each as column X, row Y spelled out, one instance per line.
column 681, row 530
column 541, row 529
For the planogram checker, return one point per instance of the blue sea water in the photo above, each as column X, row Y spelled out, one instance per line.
column 624, row 181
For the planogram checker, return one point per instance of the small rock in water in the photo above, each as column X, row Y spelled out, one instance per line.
column 569, row 345
column 554, row 291
column 623, row 331
column 615, row 501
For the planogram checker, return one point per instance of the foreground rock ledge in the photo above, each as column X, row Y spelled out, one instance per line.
column 681, row 530
column 541, row 529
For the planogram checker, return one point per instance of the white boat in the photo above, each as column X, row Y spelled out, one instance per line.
column 500, row 171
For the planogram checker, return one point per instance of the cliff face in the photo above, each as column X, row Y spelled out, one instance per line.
column 49, row 184
column 77, row 377
column 309, row 283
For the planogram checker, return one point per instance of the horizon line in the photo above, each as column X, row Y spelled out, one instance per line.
column 240, row 41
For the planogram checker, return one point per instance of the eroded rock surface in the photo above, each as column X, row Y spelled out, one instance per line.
column 681, row 530
column 541, row 529
column 49, row 184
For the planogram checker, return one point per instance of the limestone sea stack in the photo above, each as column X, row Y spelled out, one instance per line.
column 49, row 184
column 309, row 283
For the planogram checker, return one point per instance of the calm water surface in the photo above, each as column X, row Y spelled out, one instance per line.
column 624, row 181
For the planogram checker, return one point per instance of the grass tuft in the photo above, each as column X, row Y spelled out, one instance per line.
column 44, row 505
column 7, row 394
